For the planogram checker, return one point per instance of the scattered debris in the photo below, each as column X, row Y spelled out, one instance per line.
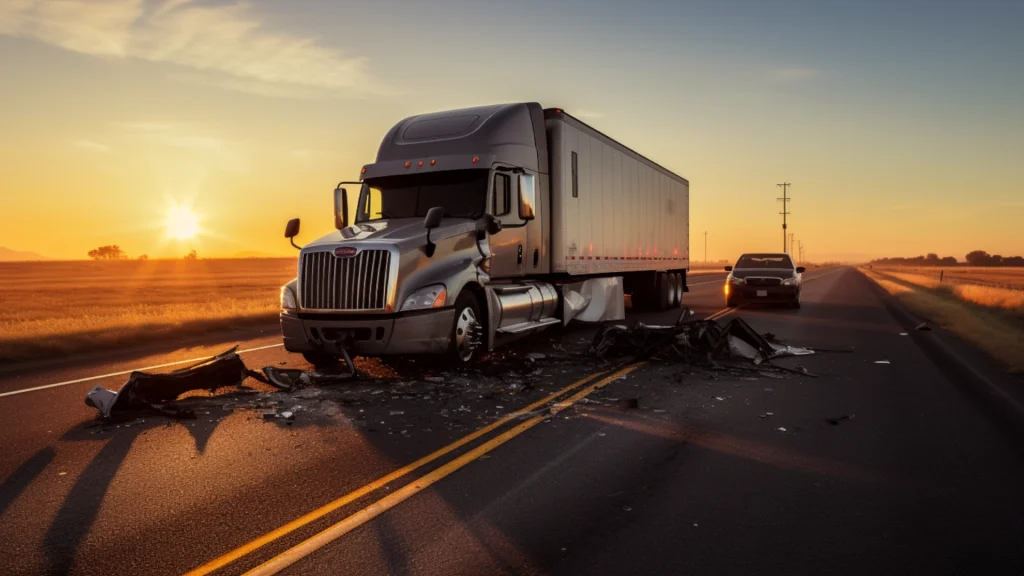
column 288, row 415
column 882, row 362
column 837, row 421
column 781, row 429
column 767, row 415
column 923, row 327
column 434, row 379
column 694, row 341
column 536, row 356
column 144, row 390
column 904, row 334
column 62, row 474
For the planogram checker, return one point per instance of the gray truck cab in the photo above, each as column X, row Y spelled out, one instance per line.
column 450, row 225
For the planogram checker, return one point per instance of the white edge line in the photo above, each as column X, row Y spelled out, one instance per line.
column 123, row 372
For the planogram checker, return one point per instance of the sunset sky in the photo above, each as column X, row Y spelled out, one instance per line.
column 899, row 124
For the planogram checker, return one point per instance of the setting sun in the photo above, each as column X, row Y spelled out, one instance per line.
column 182, row 224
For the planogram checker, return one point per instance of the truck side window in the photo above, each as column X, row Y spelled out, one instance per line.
column 502, row 195
column 575, row 178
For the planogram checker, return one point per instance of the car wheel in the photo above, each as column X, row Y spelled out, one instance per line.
column 467, row 331
column 321, row 359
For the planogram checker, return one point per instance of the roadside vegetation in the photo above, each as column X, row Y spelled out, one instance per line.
column 990, row 318
column 51, row 309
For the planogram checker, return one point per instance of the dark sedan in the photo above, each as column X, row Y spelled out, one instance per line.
column 767, row 278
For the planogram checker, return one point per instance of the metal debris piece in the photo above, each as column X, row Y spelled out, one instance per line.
column 882, row 362
column 144, row 390
column 923, row 327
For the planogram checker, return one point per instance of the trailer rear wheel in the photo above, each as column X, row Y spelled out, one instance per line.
column 677, row 293
column 666, row 290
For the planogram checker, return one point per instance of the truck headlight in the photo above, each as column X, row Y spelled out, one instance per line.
column 735, row 280
column 427, row 297
column 288, row 301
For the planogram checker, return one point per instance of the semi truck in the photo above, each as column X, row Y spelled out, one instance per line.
column 479, row 226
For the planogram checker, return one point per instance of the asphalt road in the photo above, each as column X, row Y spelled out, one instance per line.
column 869, row 468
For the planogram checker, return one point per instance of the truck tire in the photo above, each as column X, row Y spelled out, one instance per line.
column 466, row 326
column 321, row 359
column 677, row 295
column 666, row 288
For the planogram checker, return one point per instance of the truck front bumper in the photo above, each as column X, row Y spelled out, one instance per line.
column 420, row 332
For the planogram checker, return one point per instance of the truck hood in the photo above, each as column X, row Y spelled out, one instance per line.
column 403, row 232
column 764, row 272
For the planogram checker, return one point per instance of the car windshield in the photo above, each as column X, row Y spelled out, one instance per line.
column 764, row 261
column 462, row 193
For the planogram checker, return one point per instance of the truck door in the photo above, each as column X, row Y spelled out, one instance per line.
column 508, row 246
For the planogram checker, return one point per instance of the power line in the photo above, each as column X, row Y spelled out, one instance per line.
column 785, row 201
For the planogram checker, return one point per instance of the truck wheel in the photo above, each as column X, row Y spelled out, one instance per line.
column 666, row 288
column 466, row 329
column 677, row 294
column 321, row 359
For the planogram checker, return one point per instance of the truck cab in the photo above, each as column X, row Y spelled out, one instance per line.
column 454, row 204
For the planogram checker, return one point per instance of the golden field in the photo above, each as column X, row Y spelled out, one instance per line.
column 1005, row 277
column 55, row 308
column 1002, row 297
column 978, row 314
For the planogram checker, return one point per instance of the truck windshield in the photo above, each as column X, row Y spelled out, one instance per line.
column 764, row 261
column 462, row 193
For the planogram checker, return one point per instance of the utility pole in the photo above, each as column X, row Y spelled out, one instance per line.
column 705, row 246
column 785, row 201
column 800, row 248
column 790, row 243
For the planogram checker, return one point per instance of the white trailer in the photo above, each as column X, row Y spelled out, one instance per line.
column 478, row 226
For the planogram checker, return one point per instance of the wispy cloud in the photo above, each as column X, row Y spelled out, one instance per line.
column 227, row 39
column 189, row 138
column 94, row 146
column 793, row 74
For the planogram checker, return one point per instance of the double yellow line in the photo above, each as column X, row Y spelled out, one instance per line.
column 530, row 415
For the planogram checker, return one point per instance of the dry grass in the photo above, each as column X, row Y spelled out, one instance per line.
column 1006, row 277
column 49, row 308
column 993, row 330
column 988, row 296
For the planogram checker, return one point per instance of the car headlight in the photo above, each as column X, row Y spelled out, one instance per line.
column 789, row 281
column 427, row 297
column 735, row 280
column 288, row 301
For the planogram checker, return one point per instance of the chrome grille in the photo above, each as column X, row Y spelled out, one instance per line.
column 359, row 282
column 763, row 281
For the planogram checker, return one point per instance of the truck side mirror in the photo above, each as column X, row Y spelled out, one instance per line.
column 340, row 208
column 728, row 268
column 434, row 217
column 291, row 230
column 527, row 197
column 431, row 221
column 800, row 269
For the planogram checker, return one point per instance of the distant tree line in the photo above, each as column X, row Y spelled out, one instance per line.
column 114, row 252
column 975, row 258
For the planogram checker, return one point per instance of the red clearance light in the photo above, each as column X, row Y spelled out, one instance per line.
column 558, row 110
column 407, row 163
column 476, row 159
column 432, row 162
column 364, row 170
column 421, row 163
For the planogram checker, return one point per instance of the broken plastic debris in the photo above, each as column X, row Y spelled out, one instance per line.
column 434, row 379
column 288, row 415
column 536, row 356
column 144, row 390
column 923, row 327
column 781, row 429
column 882, row 362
